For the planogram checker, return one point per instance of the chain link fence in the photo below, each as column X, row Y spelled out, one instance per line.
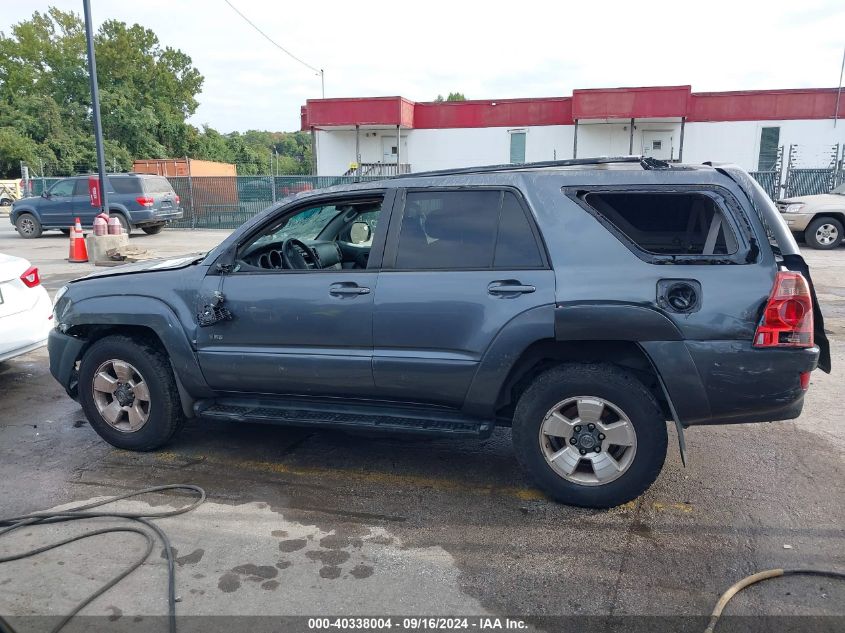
column 229, row 201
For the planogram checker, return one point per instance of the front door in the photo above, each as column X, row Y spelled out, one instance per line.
column 458, row 268
column 659, row 145
column 297, row 328
column 56, row 208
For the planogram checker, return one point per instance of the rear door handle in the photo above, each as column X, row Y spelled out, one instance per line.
column 509, row 287
column 347, row 288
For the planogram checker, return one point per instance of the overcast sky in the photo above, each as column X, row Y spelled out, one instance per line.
column 487, row 50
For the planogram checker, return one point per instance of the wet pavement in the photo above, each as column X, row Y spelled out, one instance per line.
column 308, row 522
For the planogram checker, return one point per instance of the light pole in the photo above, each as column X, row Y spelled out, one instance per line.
column 95, row 106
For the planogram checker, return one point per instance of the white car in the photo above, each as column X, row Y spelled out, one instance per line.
column 26, row 313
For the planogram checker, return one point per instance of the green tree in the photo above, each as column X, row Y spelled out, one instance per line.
column 147, row 93
column 453, row 96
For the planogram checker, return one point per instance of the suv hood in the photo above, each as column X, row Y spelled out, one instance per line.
column 818, row 199
column 149, row 265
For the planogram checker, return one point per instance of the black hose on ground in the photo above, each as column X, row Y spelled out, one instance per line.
column 10, row 524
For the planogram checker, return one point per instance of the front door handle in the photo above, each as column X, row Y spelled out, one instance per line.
column 509, row 287
column 346, row 289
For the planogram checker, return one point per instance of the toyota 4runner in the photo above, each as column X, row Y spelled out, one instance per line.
column 583, row 303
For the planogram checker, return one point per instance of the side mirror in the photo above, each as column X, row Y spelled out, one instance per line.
column 360, row 233
column 45, row 194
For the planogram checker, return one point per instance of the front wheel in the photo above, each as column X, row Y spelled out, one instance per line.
column 152, row 229
column 28, row 226
column 129, row 394
column 590, row 435
column 824, row 233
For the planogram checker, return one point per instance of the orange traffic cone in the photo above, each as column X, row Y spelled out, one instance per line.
column 77, row 253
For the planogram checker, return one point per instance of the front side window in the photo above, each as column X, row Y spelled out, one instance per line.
column 328, row 236
column 457, row 230
column 673, row 223
column 63, row 188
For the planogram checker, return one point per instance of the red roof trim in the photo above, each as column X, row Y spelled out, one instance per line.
column 637, row 102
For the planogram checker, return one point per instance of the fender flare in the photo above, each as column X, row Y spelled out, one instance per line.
column 155, row 315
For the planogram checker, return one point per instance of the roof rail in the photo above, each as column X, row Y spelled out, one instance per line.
column 646, row 163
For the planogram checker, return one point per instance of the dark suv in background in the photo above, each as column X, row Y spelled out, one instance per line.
column 144, row 201
column 582, row 303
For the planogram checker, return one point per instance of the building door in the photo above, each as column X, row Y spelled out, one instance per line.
column 658, row 144
column 390, row 151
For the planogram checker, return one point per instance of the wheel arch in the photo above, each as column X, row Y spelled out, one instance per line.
column 149, row 320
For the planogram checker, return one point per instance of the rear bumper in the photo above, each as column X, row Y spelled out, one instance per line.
column 27, row 330
column 64, row 351
column 140, row 218
column 745, row 384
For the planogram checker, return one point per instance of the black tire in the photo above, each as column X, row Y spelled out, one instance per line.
column 5, row 202
column 153, row 229
column 28, row 226
column 613, row 385
column 828, row 230
column 124, row 223
column 166, row 417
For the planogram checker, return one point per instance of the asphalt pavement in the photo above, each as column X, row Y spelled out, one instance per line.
column 317, row 522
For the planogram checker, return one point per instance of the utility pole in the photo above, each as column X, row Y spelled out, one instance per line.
column 95, row 106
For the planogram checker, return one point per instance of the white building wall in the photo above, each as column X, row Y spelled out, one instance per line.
column 739, row 141
column 427, row 149
column 469, row 147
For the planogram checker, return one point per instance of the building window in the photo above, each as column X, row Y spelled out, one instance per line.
column 517, row 146
column 769, row 141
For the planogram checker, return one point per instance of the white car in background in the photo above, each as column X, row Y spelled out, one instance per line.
column 26, row 313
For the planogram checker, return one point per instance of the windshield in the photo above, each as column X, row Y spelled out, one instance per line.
column 306, row 225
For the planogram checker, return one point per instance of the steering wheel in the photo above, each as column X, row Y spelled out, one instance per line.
column 293, row 259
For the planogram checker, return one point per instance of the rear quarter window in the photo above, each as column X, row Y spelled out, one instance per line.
column 157, row 185
column 668, row 226
column 125, row 185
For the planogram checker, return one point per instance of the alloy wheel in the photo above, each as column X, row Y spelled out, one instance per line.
column 827, row 234
column 588, row 440
column 121, row 395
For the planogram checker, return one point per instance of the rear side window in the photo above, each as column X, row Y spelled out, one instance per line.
column 667, row 223
column 157, row 185
column 81, row 187
column 457, row 230
column 125, row 185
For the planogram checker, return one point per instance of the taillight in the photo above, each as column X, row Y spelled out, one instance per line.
column 145, row 201
column 177, row 199
column 30, row 278
column 788, row 318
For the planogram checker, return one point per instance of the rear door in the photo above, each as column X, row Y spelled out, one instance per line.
column 82, row 208
column 459, row 265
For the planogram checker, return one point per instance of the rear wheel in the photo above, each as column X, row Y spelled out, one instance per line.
column 590, row 435
column 824, row 233
column 28, row 226
column 129, row 394
column 152, row 229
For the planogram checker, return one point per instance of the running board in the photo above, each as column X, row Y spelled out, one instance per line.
column 369, row 417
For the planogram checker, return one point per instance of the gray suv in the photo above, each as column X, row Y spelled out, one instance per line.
column 137, row 200
column 582, row 303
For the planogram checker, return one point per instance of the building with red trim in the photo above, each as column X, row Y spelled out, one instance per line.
column 666, row 122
